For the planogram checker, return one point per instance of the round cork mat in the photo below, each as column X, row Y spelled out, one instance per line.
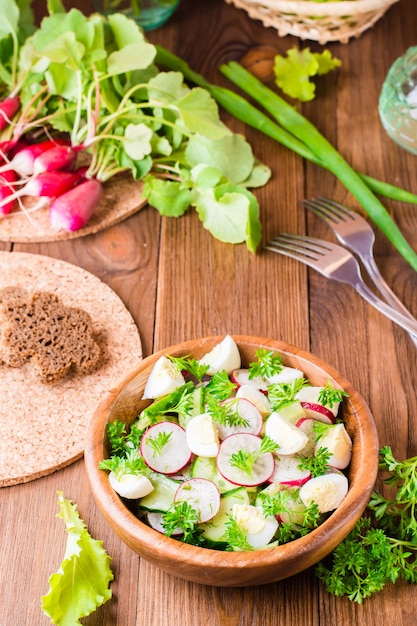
column 122, row 198
column 43, row 427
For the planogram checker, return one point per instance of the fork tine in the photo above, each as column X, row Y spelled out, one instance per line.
column 328, row 210
column 297, row 247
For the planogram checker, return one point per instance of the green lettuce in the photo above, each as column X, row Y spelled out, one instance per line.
column 82, row 582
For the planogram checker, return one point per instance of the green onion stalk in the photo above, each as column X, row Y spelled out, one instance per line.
column 294, row 131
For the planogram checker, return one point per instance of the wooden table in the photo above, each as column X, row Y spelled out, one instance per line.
column 178, row 282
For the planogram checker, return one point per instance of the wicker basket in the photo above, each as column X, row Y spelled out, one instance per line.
column 318, row 21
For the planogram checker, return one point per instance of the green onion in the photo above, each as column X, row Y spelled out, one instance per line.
column 304, row 139
column 306, row 132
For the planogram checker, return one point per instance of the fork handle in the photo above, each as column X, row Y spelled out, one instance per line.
column 386, row 291
column 408, row 324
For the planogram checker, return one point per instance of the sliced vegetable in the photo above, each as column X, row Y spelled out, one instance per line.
column 241, row 461
column 202, row 495
column 165, row 449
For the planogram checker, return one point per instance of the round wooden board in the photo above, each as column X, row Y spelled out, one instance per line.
column 43, row 427
column 122, row 198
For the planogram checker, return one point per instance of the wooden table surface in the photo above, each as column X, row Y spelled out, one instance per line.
column 179, row 283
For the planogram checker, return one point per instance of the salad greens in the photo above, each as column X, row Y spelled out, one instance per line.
column 94, row 79
column 293, row 72
column 81, row 584
column 382, row 548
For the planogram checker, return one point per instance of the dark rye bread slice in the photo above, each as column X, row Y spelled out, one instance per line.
column 57, row 339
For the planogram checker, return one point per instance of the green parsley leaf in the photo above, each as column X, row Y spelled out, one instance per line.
column 268, row 363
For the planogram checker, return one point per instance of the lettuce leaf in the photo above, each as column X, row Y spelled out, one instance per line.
column 82, row 582
column 293, row 72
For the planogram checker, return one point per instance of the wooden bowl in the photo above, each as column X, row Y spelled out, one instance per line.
column 233, row 569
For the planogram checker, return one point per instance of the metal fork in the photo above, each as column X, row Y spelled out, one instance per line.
column 354, row 232
column 338, row 264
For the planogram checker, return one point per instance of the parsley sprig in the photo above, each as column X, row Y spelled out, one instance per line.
column 181, row 516
column 267, row 364
column 225, row 413
column 220, row 386
column 244, row 460
column 329, row 395
column 281, row 394
column 158, row 442
column 189, row 364
column 317, row 464
column 382, row 547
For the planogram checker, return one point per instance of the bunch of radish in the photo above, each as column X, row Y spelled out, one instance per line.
column 45, row 170
column 224, row 470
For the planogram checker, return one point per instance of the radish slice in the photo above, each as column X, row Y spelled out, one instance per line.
column 318, row 412
column 327, row 491
column 306, row 424
column 289, row 438
column 288, row 472
column 338, row 443
column 248, row 413
column 202, row 437
column 255, row 396
column 286, row 375
column 224, row 356
column 262, row 468
column 241, row 377
column 259, row 530
column 173, row 455
column 202, row 495
column 309, row 398
column 155, row 521
column 163, row 379
column 131, row 486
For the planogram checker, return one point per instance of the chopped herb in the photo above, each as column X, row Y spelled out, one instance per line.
column 281, row 394
column 235, row 536
column 158, row 442
column 190, row 365
column 329, row 395
column 220, row 386
column 268, row 363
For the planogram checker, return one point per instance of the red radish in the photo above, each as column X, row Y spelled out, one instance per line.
column 45, row 185
column 306, row 424
column 248, row 415
column 74, row 208
column 8, row 109
column 23, row 162
column 164, row 448
column 56, row 158
column 241, row 377
column 202, row 495
column 288, row 472
column 7, row 200
column 262, row 468
column 319, row 412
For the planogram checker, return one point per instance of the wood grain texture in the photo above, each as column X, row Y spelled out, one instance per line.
column 178, row 283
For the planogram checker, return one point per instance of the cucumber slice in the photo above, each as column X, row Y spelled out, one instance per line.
column 162, row 497
column 205, row 467
column 197, row 396
column 215, row 529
